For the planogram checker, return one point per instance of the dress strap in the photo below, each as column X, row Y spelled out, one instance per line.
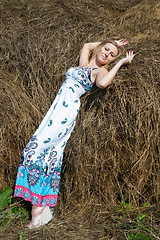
column 94, row 68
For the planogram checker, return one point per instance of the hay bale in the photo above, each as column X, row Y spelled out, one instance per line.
column 114, row 151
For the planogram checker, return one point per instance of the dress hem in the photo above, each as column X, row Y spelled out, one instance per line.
column 35, row 199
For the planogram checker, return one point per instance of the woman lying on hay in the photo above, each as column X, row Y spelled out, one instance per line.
column 40, row 163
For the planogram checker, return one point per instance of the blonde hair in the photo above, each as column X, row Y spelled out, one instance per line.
column 96, row 49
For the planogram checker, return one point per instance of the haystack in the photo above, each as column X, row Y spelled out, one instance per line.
column 114, row 150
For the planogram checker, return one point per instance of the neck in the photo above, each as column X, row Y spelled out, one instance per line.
column 94, row 64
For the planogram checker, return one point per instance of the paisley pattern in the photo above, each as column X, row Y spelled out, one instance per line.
column 39, row 170
column 50, row 123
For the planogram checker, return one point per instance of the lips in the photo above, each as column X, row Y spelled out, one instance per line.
column 103, row 57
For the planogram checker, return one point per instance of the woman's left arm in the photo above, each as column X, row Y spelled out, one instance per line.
column 105, row 78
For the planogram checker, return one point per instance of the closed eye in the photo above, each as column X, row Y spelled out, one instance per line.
column 107, row 49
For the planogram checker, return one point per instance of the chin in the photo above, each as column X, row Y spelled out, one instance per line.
column 104, row 62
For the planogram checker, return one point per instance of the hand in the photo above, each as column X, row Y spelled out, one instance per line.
column 129, row 57
column 121, row 42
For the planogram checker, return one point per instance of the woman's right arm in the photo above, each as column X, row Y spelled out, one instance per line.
column 84, row 55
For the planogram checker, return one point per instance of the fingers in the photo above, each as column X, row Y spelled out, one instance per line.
column 130, row 53
column 123, row 41
column 129, row 57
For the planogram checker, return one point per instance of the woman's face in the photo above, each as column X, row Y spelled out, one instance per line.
column 106, row 54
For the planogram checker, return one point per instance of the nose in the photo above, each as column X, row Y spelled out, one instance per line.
column 106, row 54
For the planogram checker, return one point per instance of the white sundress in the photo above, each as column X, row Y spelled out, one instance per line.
column 39, row 170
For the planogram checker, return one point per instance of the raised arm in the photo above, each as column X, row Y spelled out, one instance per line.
column 105, row 78
column 84, row 55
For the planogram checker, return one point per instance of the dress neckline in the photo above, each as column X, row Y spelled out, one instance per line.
column 87, row 67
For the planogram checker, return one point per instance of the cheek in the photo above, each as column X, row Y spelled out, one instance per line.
column 98, row 55
column 111, row 59
column 100, row 51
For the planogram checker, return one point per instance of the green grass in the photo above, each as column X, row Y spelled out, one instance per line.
column 137, row 229
column 10, row 210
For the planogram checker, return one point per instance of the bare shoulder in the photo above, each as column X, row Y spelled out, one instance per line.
column 103, row 70
column 98, row 74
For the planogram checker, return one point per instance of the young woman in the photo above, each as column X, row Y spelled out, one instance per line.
column 40, row 163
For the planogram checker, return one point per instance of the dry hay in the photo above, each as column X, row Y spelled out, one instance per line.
column 114, row 150
column 91, row 223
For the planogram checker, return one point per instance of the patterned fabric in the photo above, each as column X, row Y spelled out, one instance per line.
column 39, row 170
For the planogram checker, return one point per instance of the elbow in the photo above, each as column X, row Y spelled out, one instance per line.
column 101, row 85
column 86, row 45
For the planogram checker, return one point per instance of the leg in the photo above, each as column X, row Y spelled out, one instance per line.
column 36, row 217
column 40, row 216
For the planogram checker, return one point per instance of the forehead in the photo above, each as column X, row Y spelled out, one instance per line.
column 112, row 48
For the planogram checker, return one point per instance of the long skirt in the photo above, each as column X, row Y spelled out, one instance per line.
column 40, row 162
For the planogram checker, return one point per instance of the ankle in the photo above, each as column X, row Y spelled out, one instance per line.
column 36, row 211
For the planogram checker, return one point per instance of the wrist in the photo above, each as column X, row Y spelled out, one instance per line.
column 120, row 63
